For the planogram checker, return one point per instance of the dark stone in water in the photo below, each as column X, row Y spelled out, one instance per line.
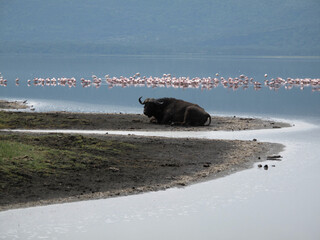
column 274, row 157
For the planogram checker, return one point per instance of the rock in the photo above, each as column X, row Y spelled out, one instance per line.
column 259, row 165
column 114, row 169
column 274, row 157
column 206, row 165
column 170, row 165
column 254, row 140
column 182, row 184
column 266, row 167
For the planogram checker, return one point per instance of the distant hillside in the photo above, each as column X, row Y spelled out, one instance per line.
column 250, row 27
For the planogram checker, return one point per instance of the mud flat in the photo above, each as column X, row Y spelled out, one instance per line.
column 41, row 169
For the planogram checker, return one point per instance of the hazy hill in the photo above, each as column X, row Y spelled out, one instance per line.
column 286, row 27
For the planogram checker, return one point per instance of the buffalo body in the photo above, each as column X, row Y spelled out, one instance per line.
column 174, row 111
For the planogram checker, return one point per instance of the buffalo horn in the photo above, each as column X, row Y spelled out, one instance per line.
column 140, row 101
column 151, row 100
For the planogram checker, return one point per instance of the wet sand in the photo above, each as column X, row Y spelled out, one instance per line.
column 150, row 164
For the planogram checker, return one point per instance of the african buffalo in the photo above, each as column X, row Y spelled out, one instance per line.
column 174, row 111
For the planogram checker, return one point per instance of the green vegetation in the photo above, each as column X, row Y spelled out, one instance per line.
column 15, row 151
column 26, row 158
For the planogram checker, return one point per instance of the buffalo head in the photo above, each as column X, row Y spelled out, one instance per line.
column 151, row 106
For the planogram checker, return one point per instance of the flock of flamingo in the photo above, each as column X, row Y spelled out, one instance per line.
column 167, row 80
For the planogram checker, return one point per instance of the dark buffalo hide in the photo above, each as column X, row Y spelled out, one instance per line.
column 174, row 111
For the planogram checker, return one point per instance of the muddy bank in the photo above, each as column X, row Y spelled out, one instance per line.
column 93, row 121
column 56, row 168
column 13, row 104
column 37, row 169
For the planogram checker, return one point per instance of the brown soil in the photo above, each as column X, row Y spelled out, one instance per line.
column 93, row 121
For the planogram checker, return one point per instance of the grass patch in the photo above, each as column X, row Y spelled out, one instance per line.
column 25, row 158
column 16, row 153
column 20, row 161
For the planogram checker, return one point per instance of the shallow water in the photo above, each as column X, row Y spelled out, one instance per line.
column 281, row 203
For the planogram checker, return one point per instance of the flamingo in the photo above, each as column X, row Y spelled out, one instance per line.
column 167, row 80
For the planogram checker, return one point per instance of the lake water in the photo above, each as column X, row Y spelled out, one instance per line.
column 284, row 102
column 281, row 203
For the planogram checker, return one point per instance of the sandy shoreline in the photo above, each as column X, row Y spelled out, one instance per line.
column 149, row 164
